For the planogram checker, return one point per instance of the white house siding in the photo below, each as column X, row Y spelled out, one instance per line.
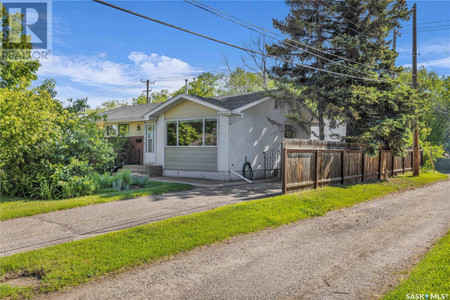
column 254, row 134
column 191, row 158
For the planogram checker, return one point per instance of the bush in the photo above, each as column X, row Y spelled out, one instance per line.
column 78, row 178
column 49, row 151
column 140, row 180
column 122, row 180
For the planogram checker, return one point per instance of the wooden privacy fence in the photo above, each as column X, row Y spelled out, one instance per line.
column 307, row 164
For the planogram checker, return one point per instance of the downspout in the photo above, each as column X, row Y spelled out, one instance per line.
column 241, row 115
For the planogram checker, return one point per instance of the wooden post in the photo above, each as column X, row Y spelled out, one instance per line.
column 284, row 171
column 415, row 158
column 380, row 156
column 363, row 167
column 393, row 164
column 342, row 166
column 316, row 179
column 403, row 165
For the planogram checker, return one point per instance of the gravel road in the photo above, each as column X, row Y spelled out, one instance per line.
column 353, row 253
column 28, row 233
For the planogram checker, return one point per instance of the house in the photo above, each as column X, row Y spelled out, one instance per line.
column 193, row 136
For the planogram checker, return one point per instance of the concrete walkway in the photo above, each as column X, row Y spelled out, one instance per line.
column 23, row 234
column 353, row 253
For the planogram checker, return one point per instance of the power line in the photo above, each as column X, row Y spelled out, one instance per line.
column 442, row 21
column 291, row 40
column 232, row 45
column 260, row 32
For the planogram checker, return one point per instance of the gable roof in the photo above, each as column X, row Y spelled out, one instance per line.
column 227, row 103
column 128, row 113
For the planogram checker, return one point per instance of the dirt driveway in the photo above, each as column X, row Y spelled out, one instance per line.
column 353, row 253
column 28, row 233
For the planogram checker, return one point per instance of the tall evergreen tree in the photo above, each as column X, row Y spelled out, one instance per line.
column 354, row 35
column 309, row 23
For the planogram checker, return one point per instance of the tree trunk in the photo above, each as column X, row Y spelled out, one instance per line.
column 321, row 122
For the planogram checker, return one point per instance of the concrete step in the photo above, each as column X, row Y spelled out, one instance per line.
column 134, row 167
column 151, row 170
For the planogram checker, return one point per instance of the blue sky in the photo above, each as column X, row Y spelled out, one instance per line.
column 103, row 53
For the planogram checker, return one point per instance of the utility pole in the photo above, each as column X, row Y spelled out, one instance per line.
column 394, row 45
column 148, row 90
column 416, row 156
column 394, row 41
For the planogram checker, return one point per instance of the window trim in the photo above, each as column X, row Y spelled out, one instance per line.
column 203, row 132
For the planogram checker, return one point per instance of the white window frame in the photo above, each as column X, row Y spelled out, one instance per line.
column 203, row 132
column 146, row 137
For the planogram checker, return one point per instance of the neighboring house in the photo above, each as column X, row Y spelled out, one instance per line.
column 192, row 136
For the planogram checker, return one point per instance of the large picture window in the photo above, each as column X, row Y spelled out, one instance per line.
column 195, row 132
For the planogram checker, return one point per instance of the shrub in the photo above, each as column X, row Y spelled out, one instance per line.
column 122, row 180
column 140, row 180
column 78, row 178
column 47, row 150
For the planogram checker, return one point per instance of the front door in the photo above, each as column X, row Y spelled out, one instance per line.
column 149, row 144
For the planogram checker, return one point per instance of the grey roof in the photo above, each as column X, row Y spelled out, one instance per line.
column 137, row 112
column 131, row 112
column 235, row 101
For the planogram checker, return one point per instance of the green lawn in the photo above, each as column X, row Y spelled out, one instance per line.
column 15, row 207
column 430, row 277
column 81, row 261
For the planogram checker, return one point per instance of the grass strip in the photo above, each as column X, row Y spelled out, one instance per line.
column 430, row 277
column 81, row 261
column 15, row 207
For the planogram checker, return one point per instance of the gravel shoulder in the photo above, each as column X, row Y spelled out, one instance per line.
column 353, row 253
column 34, row 232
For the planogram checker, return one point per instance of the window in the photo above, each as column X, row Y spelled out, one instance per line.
column 111, row 130
column 123, row 129
column 288, row 131
column 195, row 132
column 190, row 133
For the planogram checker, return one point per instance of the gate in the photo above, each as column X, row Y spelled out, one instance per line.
column 272, row 164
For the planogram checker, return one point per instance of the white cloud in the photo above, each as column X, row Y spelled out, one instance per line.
column 87, row 70
column 99, row 71
column 160, row 66
column 437, row 63
column 102, row 79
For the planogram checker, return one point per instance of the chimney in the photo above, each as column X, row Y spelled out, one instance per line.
column 185, row 86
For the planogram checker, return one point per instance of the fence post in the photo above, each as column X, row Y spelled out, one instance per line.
column 363, row 167
column 393, row 163
column 403, row 165
column 284, row 170
column 380, row 156
column 316, row 179
column 342, row 166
